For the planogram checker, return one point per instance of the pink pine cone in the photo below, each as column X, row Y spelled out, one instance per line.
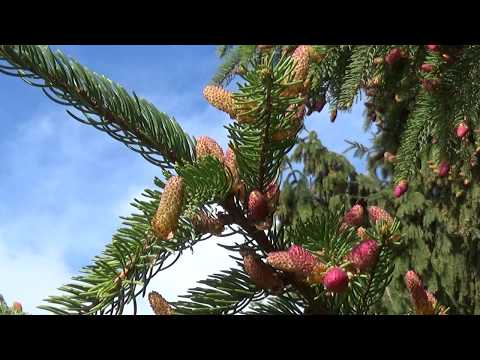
column 336, row 280
column 393, row 56
column 443, row 169
column 364, row 255
column 417, row 291
column 377, row 214
column 354, row 216
column 426, row 67
column 304, row 261
column 401, row 188
column 462, row 130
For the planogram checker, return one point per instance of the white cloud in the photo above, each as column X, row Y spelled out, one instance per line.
column 30, row 276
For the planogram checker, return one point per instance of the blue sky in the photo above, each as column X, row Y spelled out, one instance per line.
column 64, row 185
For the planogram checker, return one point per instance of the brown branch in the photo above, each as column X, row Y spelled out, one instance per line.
column 262, row 240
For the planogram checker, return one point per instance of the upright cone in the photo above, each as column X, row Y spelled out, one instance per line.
column 418, row 294
column 220, row 98
column 164, row 223
column 301, row 58
column 206, row 146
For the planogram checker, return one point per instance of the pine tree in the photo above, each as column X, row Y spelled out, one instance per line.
column 320, row 264
column 422, row 101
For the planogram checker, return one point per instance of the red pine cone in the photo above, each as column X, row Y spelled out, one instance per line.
column 336, row 280
column 377, row 214
column 364, row 255
column 393, row 56
column 443, row 169
column 462, row 130
column 262, row 275
column 433, row 48
column 401, row 188
column 257, row 206
column 206, row 146
column 427, row 68
column 354, row 217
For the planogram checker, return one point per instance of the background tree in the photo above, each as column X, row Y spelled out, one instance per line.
column 422, row 101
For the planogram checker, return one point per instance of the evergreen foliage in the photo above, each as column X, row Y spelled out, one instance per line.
column 267, row 111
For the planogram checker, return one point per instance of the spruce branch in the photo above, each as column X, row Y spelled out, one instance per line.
column 103, row 103
column 133, row 258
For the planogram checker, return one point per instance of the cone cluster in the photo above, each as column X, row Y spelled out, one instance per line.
column 206, row 146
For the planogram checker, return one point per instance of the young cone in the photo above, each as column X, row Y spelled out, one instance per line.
column 301, row 58
column 159, row 305
column 462, row 130
column 377, row 214
column 296, row 260
column 164, row 223
column 281, row 260
column 364, row 255
column 354, row 217
column 304, row 261
column 220, row 98
column 257, row 206
column 362, row 233
column 401, row 188
column 206, row 146
column 417, row 292
column 336, row 280
column 443, row 169
column 262, row 275
column 393, row 56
